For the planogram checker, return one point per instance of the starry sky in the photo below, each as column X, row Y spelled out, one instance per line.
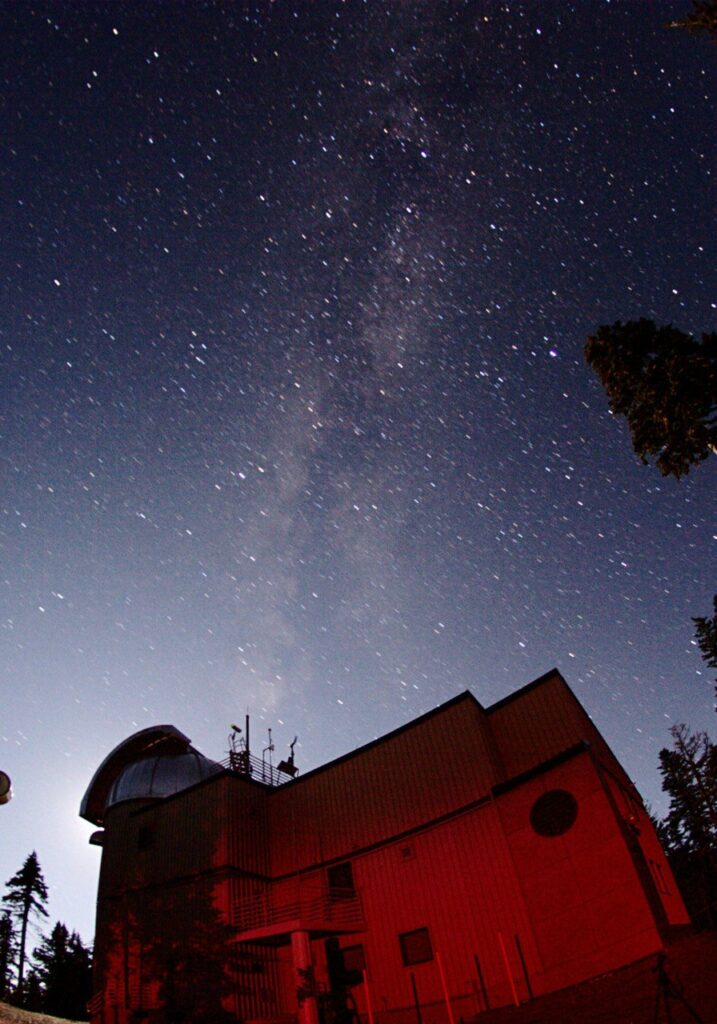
column 295, row 418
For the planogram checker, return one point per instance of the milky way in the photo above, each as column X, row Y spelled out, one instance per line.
column 295, row 416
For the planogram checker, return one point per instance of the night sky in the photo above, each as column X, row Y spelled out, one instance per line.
column 294, row 412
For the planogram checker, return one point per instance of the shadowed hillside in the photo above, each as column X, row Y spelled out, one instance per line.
column 14, row 1015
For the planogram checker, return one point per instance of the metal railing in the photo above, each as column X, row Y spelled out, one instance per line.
column 96, row 1003
column 315, row 906
column 252, row 767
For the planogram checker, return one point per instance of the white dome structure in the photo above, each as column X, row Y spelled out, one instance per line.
column 151, row 764
column 160, row 776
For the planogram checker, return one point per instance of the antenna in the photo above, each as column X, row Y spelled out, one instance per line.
column 239, row 760
column 288, row 767
column 270, row 749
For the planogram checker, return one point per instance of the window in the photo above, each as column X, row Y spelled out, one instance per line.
column 554, row 813
column 341, row 880
column 145, row 838
column 416, row 947
column 658, row 875
column 354, row 959
column 343, row 966
column 630, row 804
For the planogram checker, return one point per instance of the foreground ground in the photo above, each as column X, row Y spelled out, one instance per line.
column 629, row 996
column 13, row 1015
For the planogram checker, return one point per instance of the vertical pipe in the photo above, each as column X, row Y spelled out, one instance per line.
column 449, row 1008
column 482, row 982
column 524, row 966
column 367, row 993
column 419, row 1018
column 476, row 996
column 507, row 969
column 304, row 975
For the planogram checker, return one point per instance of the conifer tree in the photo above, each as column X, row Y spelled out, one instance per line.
column 64, row 966
column 25, row 898
column 32, row 995
column 664, row 382
column 689, row 831
column 702, row 18
column 689, row 775
column 706, row 635
column 8, row 952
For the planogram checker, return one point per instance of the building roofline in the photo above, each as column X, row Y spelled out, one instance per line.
column 581, row 747
column 459, row 698
column 169, row 739
column 555, row 673
column 516, row 694
column 164, row 739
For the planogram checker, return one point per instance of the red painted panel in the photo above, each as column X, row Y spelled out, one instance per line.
column 441, row 764
column 540, row 722
column 431, row 846
column 582, row 889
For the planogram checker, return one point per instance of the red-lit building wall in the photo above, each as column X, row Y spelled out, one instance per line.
column 483, row 877
column 440, row 764
column 435, row 821
column 539, row 722
column 641, row 838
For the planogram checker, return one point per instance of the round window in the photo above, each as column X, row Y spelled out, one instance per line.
column 554, row 813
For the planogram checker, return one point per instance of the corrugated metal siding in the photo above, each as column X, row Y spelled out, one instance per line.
column 189, row 831
column 636, row 818
column 220, row 823
column 457, row 879
column 247, row 841
column 166, row 892
column 255, row 983
column 589, row 911
column 441, row 764
column 174, row 943
column 540, row 723
column 471, row 878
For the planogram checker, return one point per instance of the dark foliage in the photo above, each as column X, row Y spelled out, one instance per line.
column 702, row 18
column 32, row 992
column 706, row 634
column 193, row 971
column 8, row 953
column 689, row 832
column 665, row 383
column 64, row 967
column 26, row 897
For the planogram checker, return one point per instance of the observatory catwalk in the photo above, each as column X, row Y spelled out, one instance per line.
column 473, row 858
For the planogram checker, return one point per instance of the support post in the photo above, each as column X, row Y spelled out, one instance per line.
column 367, row 994
column 419, row 1016
column 481, row 980
column 508, row 972
column 304, row 977
column 449, row 1008
column 524, row 966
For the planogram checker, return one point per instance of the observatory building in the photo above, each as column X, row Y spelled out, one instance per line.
column 473, row 858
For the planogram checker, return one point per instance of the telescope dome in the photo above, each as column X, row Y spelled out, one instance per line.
column 151, row 764
column 159, row 776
